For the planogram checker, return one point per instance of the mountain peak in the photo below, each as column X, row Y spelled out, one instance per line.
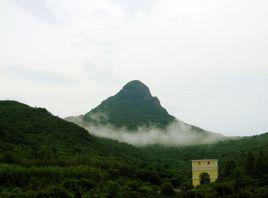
column 135, row 90
column 131, row 107
column 135, row 83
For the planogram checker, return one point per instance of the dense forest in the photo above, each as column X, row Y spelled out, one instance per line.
column 42, row 155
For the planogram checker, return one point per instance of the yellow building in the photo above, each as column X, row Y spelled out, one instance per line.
column 209, row 166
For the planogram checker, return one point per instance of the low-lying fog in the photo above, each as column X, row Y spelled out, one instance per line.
column 176, row 134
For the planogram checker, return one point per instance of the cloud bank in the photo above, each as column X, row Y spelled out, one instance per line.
column 176, row 134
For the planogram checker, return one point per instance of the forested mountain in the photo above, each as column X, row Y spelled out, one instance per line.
column 23, row 129
column 134, row 109
column 45, row 156
column 131, row 107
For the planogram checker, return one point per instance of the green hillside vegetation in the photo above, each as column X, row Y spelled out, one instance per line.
column 44, row 156
column 131, row 107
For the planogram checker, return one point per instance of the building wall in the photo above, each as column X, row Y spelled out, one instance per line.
column 209, row 166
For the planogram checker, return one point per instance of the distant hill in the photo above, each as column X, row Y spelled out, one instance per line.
column 229, row 149
column 134, row 108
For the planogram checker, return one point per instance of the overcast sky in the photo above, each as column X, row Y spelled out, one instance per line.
column 206, row 60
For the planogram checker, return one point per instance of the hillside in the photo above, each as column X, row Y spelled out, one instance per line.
column 44, row 156
column 23, row 125
column 24, row 128
column 232, row 149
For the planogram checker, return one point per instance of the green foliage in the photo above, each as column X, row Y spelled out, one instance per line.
column 261, row 165
column 228, row 168
column 44, row 156
column 167, row 189
column 223, row 189
column 57, row 192
column 250, row 163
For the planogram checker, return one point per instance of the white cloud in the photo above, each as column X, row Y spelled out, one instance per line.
column 176, row 134
column 137, row 6
column 40, row 9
